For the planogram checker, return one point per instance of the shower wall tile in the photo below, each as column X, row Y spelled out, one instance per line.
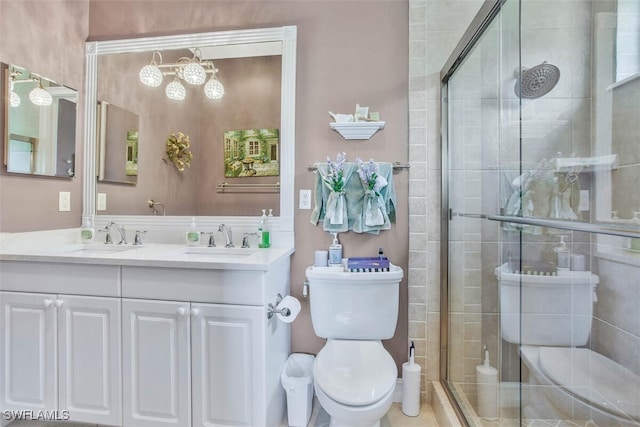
column 435, row 29
column 619, row 295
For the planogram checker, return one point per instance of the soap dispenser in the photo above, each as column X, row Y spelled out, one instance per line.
column 263, row 231
column 563, row 256
column 193, row 235
column 87, row 232
column 335, row 251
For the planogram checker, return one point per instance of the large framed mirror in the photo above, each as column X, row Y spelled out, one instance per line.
column 40, row 124
column 239, row 156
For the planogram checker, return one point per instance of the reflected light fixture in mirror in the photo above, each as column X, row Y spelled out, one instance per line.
column 192, row 70
column 14, row 99
column 39, row 96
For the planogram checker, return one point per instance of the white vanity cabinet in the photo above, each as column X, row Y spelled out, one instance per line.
column 192, row 364
column 141, row 345
column 61, row 353
column 198, row 349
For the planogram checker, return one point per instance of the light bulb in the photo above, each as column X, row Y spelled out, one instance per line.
column 175, row 90
column 214, row 89
column 40, row 97
column 151, row 75
column 14, row 100
column 194, row 74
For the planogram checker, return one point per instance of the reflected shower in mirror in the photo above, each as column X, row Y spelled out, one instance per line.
column 40, row 124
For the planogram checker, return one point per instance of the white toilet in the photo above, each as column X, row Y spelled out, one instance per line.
column 550, row 317
column 354, row 376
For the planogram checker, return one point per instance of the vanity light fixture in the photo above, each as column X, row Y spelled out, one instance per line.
column 39, row 96
column 175, row 90
column 192, row 70
column 150, row 74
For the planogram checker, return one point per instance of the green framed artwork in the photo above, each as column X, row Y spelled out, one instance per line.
column 251, row 152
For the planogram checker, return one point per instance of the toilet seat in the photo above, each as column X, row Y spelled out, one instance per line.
column 590, row 377
column 355, row 373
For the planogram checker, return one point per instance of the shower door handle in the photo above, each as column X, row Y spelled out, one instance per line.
column 466, row 215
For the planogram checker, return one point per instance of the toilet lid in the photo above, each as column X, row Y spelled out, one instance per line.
column 593, row 378
column 356, row 373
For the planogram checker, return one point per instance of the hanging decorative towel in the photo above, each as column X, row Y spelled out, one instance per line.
column 367, row 211
column 331, row 194
column 373, row 206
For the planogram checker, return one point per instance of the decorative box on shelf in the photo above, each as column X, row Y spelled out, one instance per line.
column 356, row 130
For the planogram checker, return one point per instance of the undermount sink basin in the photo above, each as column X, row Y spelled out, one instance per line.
column 99, row 248
column 214, row 252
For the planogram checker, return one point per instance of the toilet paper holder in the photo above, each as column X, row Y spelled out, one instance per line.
column 272, row 309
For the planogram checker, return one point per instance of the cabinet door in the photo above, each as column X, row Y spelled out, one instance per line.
column 89, row 351
column 28, row 352
column 156, row 363
column 228, row 380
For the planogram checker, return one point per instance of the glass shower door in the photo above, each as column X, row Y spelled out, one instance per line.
column 483, row 155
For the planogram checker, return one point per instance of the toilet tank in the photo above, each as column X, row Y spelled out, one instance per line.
column 349, row 305
column 546, row 310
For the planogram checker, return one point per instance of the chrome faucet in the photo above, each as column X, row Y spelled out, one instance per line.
column 121, row 231
column 228, row 238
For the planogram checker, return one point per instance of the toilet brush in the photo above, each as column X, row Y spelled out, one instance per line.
column 411, row 385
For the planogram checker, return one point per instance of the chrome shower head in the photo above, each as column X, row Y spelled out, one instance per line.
column 536, row 81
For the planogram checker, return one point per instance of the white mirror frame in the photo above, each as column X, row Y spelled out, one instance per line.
column 286, row 35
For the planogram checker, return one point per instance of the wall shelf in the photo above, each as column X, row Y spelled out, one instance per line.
column 357, row 130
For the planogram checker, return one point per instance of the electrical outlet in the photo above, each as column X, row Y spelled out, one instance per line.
column 102, row 202
column 64, row 201
column 305, row 199
column 584, row 200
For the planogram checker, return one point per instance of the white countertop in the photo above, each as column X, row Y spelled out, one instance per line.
column 147, row 255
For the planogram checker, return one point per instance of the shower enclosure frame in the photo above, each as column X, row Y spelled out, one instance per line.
column 485, row 16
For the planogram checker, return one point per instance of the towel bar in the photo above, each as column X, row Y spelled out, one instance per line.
column 397, row 167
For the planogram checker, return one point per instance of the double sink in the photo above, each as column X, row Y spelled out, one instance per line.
column 202, row 253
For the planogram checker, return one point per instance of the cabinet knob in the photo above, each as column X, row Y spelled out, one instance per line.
column 47, row 302
column 58, row 302
column 181, row 311
column 195, row 312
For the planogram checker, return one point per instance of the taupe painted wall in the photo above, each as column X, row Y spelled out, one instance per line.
column 46, row 37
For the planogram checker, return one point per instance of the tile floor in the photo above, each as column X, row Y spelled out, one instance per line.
column 394, row 418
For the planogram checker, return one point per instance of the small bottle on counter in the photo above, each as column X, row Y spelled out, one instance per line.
column 87, row 232
column 263, row 231
column 193, row 235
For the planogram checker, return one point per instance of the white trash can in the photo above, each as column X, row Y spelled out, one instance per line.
column 297, row 380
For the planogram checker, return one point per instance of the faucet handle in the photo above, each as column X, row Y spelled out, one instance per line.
column 107, row 238
column 245, row 239
column 212, row 240
column 138, row 239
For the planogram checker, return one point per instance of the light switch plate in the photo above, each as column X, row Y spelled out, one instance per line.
column 102, row 202
column 64, row 201
column 305, row 199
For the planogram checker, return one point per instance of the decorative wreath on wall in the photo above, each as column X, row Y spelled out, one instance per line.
column 178, row 150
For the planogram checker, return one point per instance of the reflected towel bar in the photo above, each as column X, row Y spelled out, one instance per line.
column 397, row 167
column 227, row 186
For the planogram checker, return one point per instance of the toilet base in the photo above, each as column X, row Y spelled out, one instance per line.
column 354, row 416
